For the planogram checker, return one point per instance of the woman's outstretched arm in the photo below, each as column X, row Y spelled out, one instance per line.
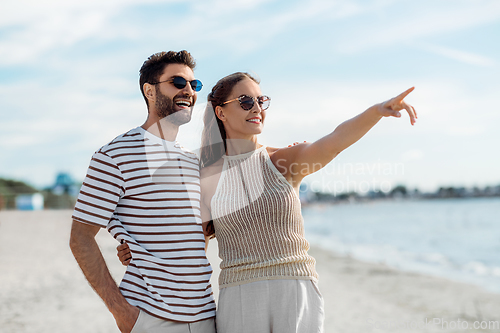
column 304, row 159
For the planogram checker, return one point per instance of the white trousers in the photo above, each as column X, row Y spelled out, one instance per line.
column 149, row 324
column 271, row 306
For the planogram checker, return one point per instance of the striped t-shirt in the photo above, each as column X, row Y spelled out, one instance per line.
column 146, row 191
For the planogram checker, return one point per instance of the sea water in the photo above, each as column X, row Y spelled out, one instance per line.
column 458, row 239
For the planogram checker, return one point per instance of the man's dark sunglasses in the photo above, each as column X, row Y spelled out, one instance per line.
column 247, row 102
column 179, row 82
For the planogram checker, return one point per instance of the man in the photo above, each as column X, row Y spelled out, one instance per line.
column 145, row 189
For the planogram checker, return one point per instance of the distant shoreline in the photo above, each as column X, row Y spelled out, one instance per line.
column 356, row 200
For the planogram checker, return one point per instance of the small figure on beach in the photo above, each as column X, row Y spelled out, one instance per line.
column 250, row 203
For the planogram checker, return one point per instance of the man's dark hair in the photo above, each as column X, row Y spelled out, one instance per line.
column 153, row 68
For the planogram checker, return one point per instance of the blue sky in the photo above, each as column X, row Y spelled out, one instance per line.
column 69, row 80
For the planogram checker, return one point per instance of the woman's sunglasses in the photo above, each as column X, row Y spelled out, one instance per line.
column 179, row 82
column 247, row 102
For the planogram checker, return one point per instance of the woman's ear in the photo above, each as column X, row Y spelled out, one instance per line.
column 220, row 113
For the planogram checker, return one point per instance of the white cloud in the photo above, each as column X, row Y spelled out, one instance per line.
column 49, row 34
column 412, row 155
column 420, row 19
column 89, row 97
column 465, row 130
column 41, row 116
column 241, row 27
column 217, row 8
column 458, row 55
column 33, row 28
column 314, row 111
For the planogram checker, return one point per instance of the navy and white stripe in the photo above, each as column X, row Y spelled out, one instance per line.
column 146, row 191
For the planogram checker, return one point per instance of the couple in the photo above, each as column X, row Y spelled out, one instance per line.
column 145, row 189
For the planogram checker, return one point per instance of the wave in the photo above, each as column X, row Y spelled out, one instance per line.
column 433, row 241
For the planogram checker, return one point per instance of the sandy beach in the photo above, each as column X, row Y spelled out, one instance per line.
column 43, row 290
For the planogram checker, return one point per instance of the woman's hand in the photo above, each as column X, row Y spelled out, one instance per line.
column 392, row 107
column 124, row 254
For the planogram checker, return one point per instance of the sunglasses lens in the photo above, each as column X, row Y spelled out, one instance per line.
column 196, row 85
column 264, row 102
column 179, row 82
column 246, row 103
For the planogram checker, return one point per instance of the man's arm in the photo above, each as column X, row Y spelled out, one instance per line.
column 91, row 261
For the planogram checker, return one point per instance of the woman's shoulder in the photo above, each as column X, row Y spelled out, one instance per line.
column 272, row 150
column 285, row 152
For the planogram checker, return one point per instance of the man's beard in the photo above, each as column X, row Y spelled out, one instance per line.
column 165, row 109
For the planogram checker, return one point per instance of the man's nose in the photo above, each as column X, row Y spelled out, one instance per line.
column 188, row 89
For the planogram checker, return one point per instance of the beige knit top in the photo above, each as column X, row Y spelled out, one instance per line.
column 258, row 223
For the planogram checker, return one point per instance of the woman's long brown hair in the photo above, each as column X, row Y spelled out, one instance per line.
column 213, row 137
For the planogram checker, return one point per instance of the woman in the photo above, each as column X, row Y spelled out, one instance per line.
column 250, row 201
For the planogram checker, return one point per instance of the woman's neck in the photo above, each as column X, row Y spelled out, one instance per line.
column 241, row 146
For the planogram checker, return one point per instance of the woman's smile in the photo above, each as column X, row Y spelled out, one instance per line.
column 255, row 120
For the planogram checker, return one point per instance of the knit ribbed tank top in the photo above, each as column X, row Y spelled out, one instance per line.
column 258, row 223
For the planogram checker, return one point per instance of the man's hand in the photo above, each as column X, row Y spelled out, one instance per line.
column 126, row 319
column 91, row 261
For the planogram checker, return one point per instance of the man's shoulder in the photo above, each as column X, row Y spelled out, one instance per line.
column 187, row 152
column 131, row 139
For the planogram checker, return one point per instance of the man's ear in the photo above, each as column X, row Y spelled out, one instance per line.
column 149, row 92
column 219, row 113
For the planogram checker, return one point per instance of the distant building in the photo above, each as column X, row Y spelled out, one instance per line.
column 29, row 201
column 65, row 185
column 305, row 194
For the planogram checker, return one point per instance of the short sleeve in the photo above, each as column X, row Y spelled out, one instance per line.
column 101, row 190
